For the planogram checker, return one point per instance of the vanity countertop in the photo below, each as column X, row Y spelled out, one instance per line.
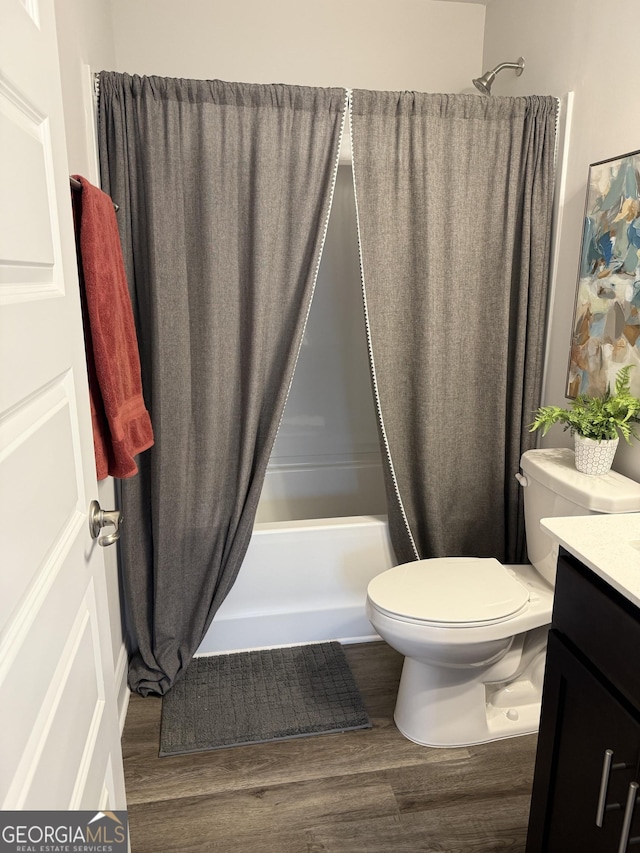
column 608, row 544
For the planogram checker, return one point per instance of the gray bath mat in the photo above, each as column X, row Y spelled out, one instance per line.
column 252, row 697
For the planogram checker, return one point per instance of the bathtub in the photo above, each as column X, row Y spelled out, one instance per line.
column 303, row 581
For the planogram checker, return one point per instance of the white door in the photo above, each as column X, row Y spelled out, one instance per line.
column 59, row 737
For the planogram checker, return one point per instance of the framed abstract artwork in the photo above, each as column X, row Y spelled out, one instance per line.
column 606, row 322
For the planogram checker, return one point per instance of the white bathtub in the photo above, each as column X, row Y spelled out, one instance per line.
column 303, row 581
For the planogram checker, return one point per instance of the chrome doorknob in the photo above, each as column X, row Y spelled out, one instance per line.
column 99, row 518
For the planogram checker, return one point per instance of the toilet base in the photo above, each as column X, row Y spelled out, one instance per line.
column 441, row 707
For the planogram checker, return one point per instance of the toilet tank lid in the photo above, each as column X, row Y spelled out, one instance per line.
column 555, row 469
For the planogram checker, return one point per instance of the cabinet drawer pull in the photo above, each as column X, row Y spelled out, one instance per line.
column 607, row 767
column 604, row 784
column 628, row 816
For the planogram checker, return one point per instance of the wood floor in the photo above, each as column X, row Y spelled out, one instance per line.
column 367, row 791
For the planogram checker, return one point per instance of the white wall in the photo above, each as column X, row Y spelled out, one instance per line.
column 85, row 41
column 584, row 46
column 85, row 45
column 426, row 45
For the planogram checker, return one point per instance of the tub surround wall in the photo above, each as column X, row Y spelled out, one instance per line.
column 326, row 459
column 322, row 486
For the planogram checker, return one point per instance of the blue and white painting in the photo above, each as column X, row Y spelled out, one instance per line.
column 606, row 327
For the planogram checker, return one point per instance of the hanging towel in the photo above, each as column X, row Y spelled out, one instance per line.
column 121, row 422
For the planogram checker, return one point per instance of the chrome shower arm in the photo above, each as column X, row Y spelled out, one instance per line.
column 484, row 83
column 519, row 66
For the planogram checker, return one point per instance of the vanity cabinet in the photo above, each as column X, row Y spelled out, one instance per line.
column 585, row 793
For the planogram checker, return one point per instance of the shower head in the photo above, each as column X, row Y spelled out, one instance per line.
column 483, row 84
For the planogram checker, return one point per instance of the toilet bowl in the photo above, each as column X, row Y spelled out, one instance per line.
column 473, row 631
column 461, row 624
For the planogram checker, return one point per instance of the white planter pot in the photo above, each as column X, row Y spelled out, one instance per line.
column 594, row 457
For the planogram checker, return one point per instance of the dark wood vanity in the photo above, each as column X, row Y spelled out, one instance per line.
column 586, row 797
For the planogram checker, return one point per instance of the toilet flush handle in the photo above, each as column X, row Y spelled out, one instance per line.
column 522, row 480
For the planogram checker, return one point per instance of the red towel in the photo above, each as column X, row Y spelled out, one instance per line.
column 121, row 423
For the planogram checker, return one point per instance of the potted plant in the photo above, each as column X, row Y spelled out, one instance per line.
column 596, row 423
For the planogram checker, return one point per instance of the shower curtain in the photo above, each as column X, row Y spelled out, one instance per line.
column 454, row 200
column 224, row 191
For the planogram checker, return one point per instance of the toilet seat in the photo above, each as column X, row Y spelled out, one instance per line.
column 452, row 592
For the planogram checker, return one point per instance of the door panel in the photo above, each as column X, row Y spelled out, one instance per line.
column 26, row 235
column 37, row 483
column 59, row 741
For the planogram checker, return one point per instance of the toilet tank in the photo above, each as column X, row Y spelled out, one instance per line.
column 554, row 488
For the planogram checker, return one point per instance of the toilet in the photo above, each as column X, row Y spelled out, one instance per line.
column 473, row 631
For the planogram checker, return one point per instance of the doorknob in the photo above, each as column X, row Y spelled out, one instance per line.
column 99, row 518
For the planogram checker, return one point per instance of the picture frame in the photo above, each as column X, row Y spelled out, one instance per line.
column 605, row 334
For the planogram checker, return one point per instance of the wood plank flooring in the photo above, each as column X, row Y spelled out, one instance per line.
column 367, row 791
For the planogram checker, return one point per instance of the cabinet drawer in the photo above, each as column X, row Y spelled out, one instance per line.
column 603, row 624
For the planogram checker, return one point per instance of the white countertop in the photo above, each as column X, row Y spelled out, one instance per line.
column 608, row 544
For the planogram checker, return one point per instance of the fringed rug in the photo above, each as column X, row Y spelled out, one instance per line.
column 253, row 697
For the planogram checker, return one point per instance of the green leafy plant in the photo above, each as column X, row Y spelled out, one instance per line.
column 599, row 418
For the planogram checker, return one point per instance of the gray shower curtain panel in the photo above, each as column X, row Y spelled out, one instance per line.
column 454, row 198
column 223, row 191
